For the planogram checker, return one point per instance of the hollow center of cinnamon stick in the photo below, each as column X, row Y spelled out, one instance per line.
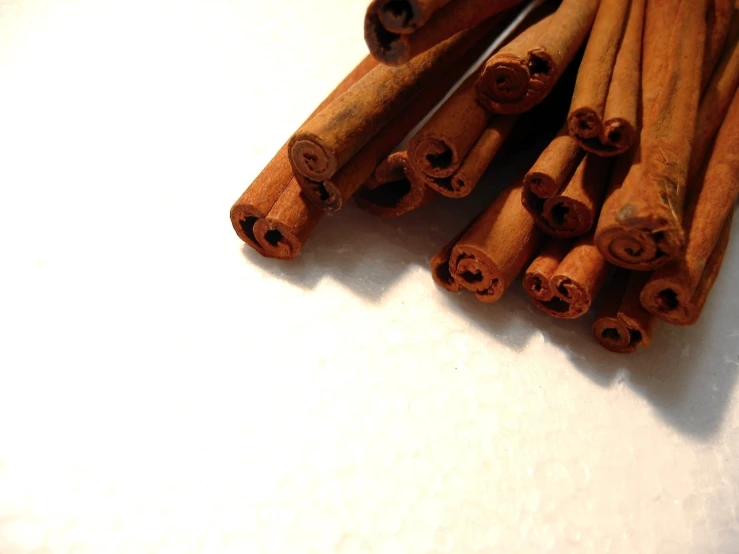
column 635, row 337
column 441, row 160
column 557, row 305
column 538, row 284
column 472, row 276
column 388, row 195
column 559, row 214
column 273, row 236
column 611, row 333
column 667, row 300
column 444, row 274
column 539, row 65
column 385, row 38
column 247, row 225
column 398, row 11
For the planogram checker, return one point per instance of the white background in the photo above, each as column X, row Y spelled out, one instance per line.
column 164, row 390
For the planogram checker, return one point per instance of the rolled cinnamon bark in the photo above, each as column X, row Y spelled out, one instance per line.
column 257, row 200
column 396, row 49
column 676, row 293
column 573, row 284
column 333, row 192
column 640, row 226
column 603, row 115
column 496, row 247
column 440, row 271
column 405, row 16
column 554, row 167
column 574, row 211
column 286, row 228
column 716, row 98
column 622, row 325
column 391, row 191
column 718, row 20
column 522, row 74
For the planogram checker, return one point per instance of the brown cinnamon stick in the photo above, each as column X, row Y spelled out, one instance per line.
column 554, row 167
column 393, row 48
column 391, row 191
column 603, row 115
column 622, row 324
column 405, row 16
column 522, row 73
column 286, row 228
column 572, row 284
column 574, row 211
column 333, row 192
column 257, row 200
column 641, row 223
column 717, row 28
column 676, row 293
column 496, row 247
column 440, row 270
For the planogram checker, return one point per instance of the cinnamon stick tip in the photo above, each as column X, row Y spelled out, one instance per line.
column 666, row 300
column 311, row 158
column 276, row 240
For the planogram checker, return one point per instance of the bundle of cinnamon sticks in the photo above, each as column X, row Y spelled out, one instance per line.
column 627, row 210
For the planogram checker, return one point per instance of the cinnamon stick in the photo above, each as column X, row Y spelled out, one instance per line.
column 405, row 16
column 641, row 223
column 717, row 28
column 440, row 270
column 522, row 73
column 554, row 167
column 286, row 228
column 572, row 284
column 257, row 200
column 395, row 49
column 392, row 191
column 496, row 247
column 676, row 293
column 622, row 325
column 333, row 192
column 603, row 115
column 574, row 211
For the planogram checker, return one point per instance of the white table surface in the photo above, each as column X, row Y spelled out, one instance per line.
column 164, row 390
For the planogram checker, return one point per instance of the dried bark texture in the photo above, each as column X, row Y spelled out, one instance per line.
column 405, row 16
column 622, row 325
column 717, row 98
column 257, row 200
column 333, row 192
column 572, row 284
column 440, row 270
column 523, row 73
column 641, row 224
column 603, row 115
column 288, row 225
column 677, row 292
column 717, row 28
column 496, row 247
column 554, row 167
column 396, row 49
column 391, row 191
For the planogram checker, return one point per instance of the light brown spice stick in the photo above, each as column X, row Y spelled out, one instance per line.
column 554, row 167
column 609, row 126
column 672, row 293
column 537, row 278
column 440, row 270
column 288, row 225
column 406, row 16
column 523, row 73
column 333, row 192
column 400, row 48
column 390, row 191
column 640, row 226
column 257, row 200
column 622, row 325
column 573, row 284
column 496, row 247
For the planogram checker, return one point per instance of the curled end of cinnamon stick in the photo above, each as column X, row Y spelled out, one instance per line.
column 537, row 286
column 574, row 299
column 440, row 271
column 638, row 248
column 565, row 217
column 512, row 85
column 400, row 16
column 434, row 156
column 668, row 301
column 310, row 158
column 539, row 184
column 616, row 137
column 476, row 272
column 385, row 46
column 277, row 240
column 584, row 123
column 322, row 193
column 619, row 335
column 243, row 219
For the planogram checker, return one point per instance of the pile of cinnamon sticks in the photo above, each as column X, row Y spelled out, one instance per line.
column 627, row 208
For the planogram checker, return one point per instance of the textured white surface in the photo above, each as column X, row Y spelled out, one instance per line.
column 164, row 391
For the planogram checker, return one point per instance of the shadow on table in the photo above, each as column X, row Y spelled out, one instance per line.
column 688, row 374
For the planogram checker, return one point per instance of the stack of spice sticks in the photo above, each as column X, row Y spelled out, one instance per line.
column 627, row 208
